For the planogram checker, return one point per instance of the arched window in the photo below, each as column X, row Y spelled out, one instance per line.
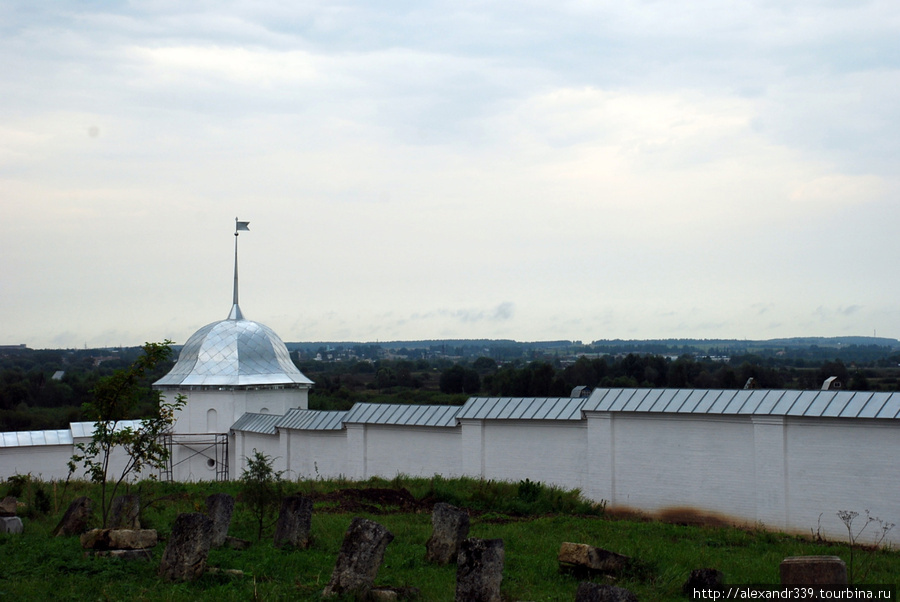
column 212, row 421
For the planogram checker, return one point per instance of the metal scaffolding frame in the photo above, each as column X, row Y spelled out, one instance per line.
column 212, row 446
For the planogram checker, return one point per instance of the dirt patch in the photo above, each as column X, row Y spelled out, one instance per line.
column 677, row 515
column 372, row 500
column 692, row 517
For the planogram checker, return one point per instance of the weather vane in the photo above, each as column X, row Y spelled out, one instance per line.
column 235, row 309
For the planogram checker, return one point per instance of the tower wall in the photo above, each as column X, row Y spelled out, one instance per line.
column 215, row 410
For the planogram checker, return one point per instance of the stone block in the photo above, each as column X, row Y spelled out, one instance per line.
column 813, row 570
column 450, row 527
column 11, row 524
column 359, row 558
column 219, row 508
column 294, row 522
column 388, row 594
column 125, row 512
column 8, row 506
column 479, row 570
column 75, row 520
column 119, row 539
column 235, row 543
column 594, row 592
column 145, row 554
column 703, row 578
column 185, row 556
column 580, row 557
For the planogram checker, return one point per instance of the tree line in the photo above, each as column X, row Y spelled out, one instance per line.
column 32, row 398
column 544, row 379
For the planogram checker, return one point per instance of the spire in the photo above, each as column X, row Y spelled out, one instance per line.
column 235, row 308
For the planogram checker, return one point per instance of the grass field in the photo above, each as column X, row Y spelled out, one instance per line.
column 533, row 521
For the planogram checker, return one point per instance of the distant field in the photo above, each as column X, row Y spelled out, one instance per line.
column 533, row 521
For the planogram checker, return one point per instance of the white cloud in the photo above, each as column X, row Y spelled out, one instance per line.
column 514, row 170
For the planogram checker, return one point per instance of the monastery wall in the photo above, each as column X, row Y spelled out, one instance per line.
column 784, row 472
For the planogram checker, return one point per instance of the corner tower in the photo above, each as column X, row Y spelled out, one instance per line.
column 229, row 368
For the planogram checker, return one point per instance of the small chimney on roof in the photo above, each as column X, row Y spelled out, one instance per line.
column 831, row 383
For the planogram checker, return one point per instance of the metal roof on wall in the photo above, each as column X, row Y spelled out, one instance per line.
column 86, row 429
column 76, row 430
column 29, row 438
column 757, row 402
column 402, row 414
column 263, row 424
column 522, row 408
column 312, row 420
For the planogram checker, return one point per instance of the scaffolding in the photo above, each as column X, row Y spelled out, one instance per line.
column 211, row 446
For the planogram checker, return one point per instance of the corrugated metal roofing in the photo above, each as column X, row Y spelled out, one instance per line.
column 256, row 423
column 76, row 430
column 757, row 402
column 86, row 429
column 522, row 408
column 312, row 420
column 402, row 414
column 29, row 438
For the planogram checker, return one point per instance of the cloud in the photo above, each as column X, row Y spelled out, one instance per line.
column 405, row 169
column 839, row 189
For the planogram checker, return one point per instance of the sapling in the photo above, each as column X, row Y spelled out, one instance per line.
column 261, row 487
column 114, row 400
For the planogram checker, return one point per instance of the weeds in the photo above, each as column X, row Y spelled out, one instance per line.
column 847, row 517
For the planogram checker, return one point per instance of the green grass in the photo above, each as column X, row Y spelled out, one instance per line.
column 533, row 520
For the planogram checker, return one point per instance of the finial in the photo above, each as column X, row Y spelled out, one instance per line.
column 235, row 309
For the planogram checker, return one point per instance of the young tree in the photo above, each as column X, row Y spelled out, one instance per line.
column 261, row 488
column 114, row 399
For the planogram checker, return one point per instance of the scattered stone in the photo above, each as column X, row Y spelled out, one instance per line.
column 450, row 527
column 119, row 539
column 145, row 554
column 125, row 512
column 185, row 556
column 585, row 561
column 11, row 524
column 387, row 594
column 8, row 506
column 294, row 522
column 359, row 558
column 479, row 570
column 230, row 572
column 219, row 507
column 813, row 570
column 594, row 592
column 703, row 579
column 75, row 520
column 235, row 543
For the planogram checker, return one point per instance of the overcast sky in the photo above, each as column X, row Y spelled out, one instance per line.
column 527, row 170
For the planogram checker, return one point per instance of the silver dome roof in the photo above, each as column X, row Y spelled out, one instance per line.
column 234, row 353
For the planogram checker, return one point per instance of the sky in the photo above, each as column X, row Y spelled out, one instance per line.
column 525, row 170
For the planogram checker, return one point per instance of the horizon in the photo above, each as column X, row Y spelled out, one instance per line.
column 576, row 171
column 797, row 341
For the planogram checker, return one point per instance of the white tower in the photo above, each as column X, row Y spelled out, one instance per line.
column 226, row 369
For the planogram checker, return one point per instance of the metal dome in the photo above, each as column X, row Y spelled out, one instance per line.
column 234, row 353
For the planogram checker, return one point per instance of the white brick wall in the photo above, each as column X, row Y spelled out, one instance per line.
column 553, row 452
column 784, row 472
column 413, row 451
column 677, row 461
column 315, row 454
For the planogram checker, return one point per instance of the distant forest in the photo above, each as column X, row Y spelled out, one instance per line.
column 44, row 389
